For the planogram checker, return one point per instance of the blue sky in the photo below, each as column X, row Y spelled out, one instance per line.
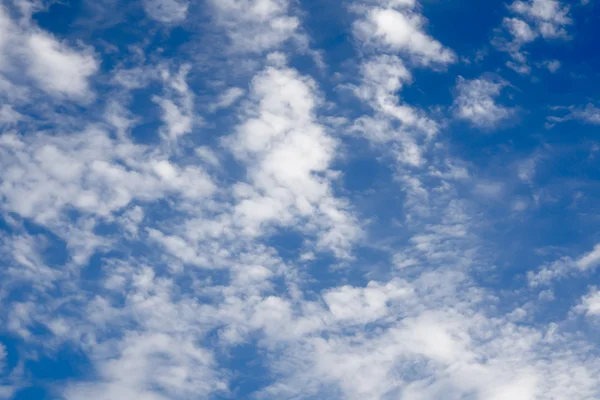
column 278, row 199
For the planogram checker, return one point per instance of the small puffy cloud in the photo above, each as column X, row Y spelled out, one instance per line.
column 476, row 102
column 166, row 11
column 520, row 30
column 552, row 65
column 402, row 30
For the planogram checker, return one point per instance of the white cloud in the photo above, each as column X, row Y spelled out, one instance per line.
column 45, row 175
column 520, row 30
column 177, row 104
column 287, row 154
column 383, row 77
column 589, row 260
column 256, row 25
column 390, row 34
column 363, row 305
column 476, row 102
column 148, row 364
column 550, row 16
column 57, row 68
column 535, row 19
column 565, row 266
column 402, row 30
column 590, row 303
column 194, row 275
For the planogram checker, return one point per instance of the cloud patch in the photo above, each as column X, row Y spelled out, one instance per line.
column 166, row 11
column 476, row 102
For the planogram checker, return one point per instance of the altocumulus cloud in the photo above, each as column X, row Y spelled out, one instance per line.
column 272, row 199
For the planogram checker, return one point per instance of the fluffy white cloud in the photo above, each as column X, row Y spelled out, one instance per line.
column 402, row 30
column 476, row 102
column 90, row 172
column 57, row 68
column 590, row 304
column 288, row 153
column 148, row 364
column 520, row 30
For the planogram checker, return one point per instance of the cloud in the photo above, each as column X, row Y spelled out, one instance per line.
column 589, row 114
column 287, row 153
column 590, row 260
column 547, row 19
column 150, row 362
column 564, row 267
column 166, row 11
column 57, row 68
column 177, row 105
column 549, row 16
column 256, row 25
column 590, row 304
column 8, row 115
column 228, row 98
column 476, row 102
column 401, row 30
column 383, row 31
column 238, row 234
column 552, row 65
column 520, row 30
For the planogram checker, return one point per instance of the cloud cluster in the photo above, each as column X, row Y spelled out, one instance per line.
column 546, row 19
column 189, row 232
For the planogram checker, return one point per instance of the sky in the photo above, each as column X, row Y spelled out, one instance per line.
column 299, row 199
